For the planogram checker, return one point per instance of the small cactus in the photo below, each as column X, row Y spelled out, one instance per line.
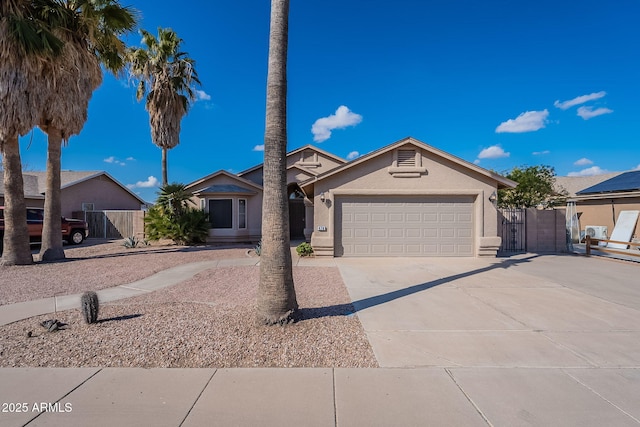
column 90, row 306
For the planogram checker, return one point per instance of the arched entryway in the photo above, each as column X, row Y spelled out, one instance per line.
column 296, row 212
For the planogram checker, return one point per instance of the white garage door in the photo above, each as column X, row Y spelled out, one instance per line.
column 404, row 226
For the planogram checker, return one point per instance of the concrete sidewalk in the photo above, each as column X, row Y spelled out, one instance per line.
column 319, row 397
column 530, row 340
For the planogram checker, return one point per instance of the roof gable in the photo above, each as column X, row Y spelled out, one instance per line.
column 502, row 181
column 296, row 152
column 35, row 183
column 221, row 173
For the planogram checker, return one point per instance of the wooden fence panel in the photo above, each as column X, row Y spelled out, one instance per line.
column 114, row 224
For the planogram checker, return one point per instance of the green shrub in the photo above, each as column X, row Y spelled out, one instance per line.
column 190, row 227
column 258, row 248
column 304, row 249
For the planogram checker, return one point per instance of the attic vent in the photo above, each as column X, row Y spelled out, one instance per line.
column 88, row 207
column 406, row 158
column 308, row 156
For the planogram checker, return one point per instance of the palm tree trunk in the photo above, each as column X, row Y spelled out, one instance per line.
column 165, row 180
column 51, row 249
column 276, row 293
column 16, row 250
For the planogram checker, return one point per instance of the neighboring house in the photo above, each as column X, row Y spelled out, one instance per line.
column 406, row 199
column 600, row 202
column 91, row 190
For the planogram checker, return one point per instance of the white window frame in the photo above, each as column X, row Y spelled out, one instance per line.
column 240, row 214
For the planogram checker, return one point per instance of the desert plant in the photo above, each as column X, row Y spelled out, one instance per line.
column 131, row 242
column 90, row 306
column 258, row 248
column 304, row 249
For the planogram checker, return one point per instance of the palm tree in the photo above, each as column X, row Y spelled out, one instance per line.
column 174, row 199
column 165, row 77
column 26, row 45
column 91, row 31
column 276, row 294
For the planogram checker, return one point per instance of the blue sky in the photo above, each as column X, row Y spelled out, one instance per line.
column 499, row 83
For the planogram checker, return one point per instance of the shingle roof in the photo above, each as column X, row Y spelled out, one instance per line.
column 628, row 181
column 35, row 183
column 573, row 184
column 225, row 189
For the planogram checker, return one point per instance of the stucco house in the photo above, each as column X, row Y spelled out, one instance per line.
column 600, row 199
column 405, row 199
column 80, row 190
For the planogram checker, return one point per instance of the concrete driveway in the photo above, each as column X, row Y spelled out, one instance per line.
column 532, row 339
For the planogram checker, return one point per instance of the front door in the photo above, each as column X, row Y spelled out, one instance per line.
column 296, row 219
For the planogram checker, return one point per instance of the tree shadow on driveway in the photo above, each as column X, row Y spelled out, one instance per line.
column 363, row 304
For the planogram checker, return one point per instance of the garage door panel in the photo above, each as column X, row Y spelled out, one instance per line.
column 405, row 226
column 361, row 233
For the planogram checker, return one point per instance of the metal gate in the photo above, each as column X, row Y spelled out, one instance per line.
column 512, row 229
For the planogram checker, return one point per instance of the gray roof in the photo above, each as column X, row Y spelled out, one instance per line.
column 225, row 189
column 35, row 183
column 628, row 181
column 573, row 184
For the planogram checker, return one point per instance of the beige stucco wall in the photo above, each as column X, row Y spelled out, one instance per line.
column 603, row 212
column 321, row 164
column 254, row 210
column 102, row 192
column 372, row 177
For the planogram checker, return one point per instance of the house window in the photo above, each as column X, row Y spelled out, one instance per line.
column 242, row 213
column 221, row 213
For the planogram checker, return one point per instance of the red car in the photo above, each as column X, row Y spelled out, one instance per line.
column 74, row 231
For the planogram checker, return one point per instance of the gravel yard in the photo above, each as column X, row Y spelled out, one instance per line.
column 207, row 321
column 96, row 265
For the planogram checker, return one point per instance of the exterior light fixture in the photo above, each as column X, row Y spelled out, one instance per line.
column 493, row 198
column 322, row 198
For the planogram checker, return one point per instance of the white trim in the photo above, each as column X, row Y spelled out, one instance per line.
column 246, row 217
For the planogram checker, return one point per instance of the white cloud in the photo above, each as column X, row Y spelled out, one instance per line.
column 593, row 170
column 564, row 105
column 353, row 155
column 113, row 160
column 202, row 96
column 493, row 152
column 529, row 121
column 342, row 118
column 258, row 148
column 541, row 153
column 589, row 113
column 152, row 181
column 637, row 168
column 130, row 159
column 583, row 162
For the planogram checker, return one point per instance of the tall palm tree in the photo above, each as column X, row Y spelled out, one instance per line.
column 276, row 293
column 166, row 75
column 91, row 31
column 26, row 45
